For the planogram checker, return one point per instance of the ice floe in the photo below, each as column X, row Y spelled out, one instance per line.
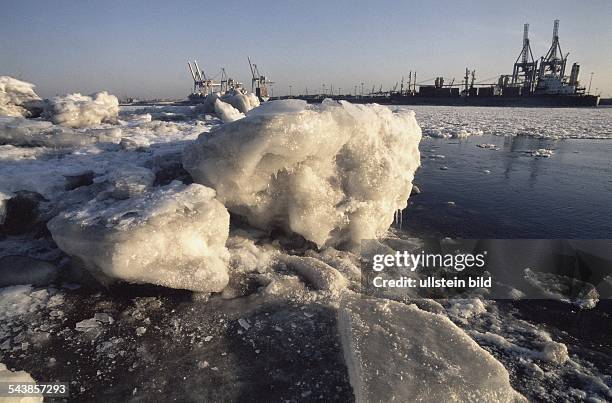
column 173, row 236
column 398, row 352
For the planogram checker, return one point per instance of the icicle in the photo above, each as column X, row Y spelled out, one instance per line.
column 397, row 218
column 399, row 213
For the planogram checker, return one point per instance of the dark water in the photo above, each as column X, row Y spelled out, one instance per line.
column 566, row 196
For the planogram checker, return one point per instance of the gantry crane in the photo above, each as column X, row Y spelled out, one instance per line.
column 259, row 83
column 525, row 67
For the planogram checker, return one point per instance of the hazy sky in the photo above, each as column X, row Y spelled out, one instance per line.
column 140, row 48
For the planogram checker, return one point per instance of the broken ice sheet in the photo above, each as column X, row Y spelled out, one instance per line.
column 397, row 352
column 563, row 288
column 173, row 236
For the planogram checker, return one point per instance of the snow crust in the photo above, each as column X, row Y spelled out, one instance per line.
column 14, row 94
column 173, row 236
column 334, row 173
column 398, row 352
column 76, row 110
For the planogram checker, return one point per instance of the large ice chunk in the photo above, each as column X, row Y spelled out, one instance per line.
column 226, row 112
column 242, row 100
column 15, row 95
column 174, row 236
column 332, row 173
column 397, row 352
column 238, row 98
column 76, row 110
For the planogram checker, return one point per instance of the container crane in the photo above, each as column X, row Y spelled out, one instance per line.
column 202, row 85
column 259, row 83
column 525, row 67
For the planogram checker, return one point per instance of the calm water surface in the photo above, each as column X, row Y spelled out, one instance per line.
column 566, row 196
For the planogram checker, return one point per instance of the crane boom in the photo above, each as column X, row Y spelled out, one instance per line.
column 251, row 67
column 191, row 70
column 201, row 74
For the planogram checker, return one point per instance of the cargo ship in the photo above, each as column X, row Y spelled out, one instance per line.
column 533, row 82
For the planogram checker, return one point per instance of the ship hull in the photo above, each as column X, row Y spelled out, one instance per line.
column 520, row 101
column 567, row 101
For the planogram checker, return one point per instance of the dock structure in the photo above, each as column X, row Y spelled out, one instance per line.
column 533, row 82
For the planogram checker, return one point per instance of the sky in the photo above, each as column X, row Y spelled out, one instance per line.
column 141, row 48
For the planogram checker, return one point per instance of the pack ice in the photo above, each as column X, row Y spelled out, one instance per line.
column 334, row 173
column 173, row 236
column 398, row 352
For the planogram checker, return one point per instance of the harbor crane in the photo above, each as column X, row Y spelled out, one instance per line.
column 201, row 84
column 553, row 64
column 228, row 83
column 551, row 77
column 259, row 83
column 525, row 67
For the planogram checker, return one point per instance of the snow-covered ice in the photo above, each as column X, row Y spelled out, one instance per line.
column 241, row 100
column 333, row 173
column 226, row 112
column 29, row 132
column 15, row 96
column 76, row 110
column 173, row 236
